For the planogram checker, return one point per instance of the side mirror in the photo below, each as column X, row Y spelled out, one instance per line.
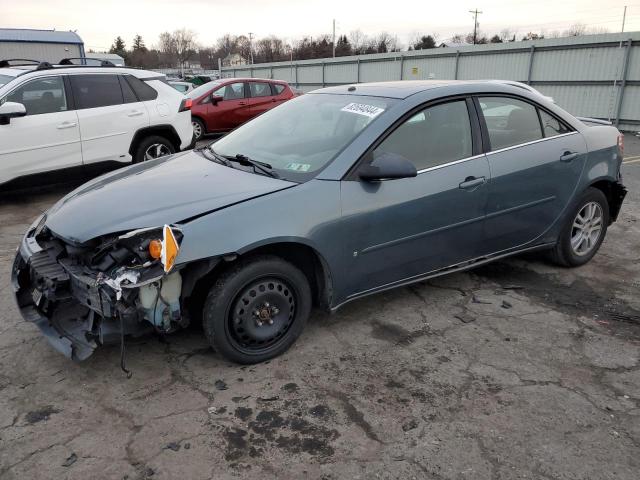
column 387, row 166
column 216, row 98
column 9, row 110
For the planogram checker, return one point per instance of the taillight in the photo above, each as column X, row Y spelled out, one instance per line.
column 621, row 144
column 185, row 105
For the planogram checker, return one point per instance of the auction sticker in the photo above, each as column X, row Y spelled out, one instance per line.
column 370, row 111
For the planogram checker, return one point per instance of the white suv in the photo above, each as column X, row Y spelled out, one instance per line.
column 59, row 117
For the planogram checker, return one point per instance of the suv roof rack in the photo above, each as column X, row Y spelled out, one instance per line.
column 5, row 63
column 103, row 62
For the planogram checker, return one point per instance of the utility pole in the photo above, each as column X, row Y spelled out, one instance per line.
column 624, row 17
column 250, row 48
column 334, row 38
column 475, row 13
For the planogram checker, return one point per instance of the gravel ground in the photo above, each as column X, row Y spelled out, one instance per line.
column 518, row 369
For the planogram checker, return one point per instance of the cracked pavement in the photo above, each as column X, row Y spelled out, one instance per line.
column 518, row 369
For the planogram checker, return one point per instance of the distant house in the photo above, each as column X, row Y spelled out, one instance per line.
column 233, row 59
column 43, row 45
column 114, row 58
column 453, row 45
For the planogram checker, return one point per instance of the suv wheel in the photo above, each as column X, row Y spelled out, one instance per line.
column 257, row 309
column 198, row 128
column 153, row 147
column 584, row 230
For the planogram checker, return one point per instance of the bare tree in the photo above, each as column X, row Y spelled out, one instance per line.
column 506, row 35
column 576, row 30
column 185, row 45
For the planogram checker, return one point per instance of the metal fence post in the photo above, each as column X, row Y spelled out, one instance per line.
column 532, row 52
column 322, row 74
column 271, row 73
column 234, row 73
column 251, row 72
column 623, row 82
column 358, row 70
column 455, row 70
column 297, row 85
column 401, row 67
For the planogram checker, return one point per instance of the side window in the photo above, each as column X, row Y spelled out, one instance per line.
column 143, row 91
column 277, row 88
column 434, row 136
column 43, row 95
column 551, row 126
column 233, row 91
column 93, row 91
column 127, row 92
column 510, row 121
column 260, row 89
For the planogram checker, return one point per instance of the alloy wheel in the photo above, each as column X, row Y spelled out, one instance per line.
column 156, row 150
column 586, row 229
column 197, row 130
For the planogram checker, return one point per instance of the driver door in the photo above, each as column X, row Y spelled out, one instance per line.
column 404, row 228
column 47, row 138
column 232, row 111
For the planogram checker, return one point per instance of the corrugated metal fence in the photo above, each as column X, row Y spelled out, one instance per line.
column 594, row 75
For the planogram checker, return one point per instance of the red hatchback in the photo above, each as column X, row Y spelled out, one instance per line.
column 222, row 105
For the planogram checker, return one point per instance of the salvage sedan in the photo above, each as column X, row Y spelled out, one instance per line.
column 332, row 196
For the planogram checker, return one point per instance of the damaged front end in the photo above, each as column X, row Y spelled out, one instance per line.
column 83, row 296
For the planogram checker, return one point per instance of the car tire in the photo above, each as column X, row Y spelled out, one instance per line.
column 198, row 128
column 153, row 147
column 257, row 309
column 584, row 230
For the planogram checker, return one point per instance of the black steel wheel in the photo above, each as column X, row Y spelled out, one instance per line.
column 257, row 309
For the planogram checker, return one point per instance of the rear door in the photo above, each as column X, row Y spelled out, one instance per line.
column 262, row 98
column 402, row 229
column 47, row 138
column 109, row 113
column 536, row 161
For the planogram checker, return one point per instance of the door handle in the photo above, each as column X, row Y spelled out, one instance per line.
column 242, row 103
column 472, row 182
column 134, row 113
column 568, row 156
column 64, row 125
column 273, row 99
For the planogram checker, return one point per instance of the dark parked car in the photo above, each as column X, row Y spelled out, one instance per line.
column 337, row 194
column 223, row 105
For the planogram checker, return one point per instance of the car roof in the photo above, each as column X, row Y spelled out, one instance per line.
column 398, row 89
column 252, row 79
column 25, row 70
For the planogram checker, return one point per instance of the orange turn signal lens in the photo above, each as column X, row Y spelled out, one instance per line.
column 170, row 248
column 155, row 249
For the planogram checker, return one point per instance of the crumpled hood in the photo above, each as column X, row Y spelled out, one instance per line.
column 152, row 194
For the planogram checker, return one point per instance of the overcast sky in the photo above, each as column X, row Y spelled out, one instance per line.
column 98, row 23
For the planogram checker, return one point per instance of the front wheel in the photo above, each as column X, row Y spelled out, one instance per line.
column 257, row 309
column 198, row 128
column 584, row 230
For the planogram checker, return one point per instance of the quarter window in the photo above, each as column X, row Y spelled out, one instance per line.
column 551, row 126
column 510, row 122
column 277, row 88
column 432, row 137
column 143, row 91
column 44, row 95
column 93, row 91
column 259, row 89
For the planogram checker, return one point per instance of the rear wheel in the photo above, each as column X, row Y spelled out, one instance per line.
column 257, row 309
column 198, row 128
column 584, row 230
column 153, row 147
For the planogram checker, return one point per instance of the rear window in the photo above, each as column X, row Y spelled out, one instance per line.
column 510, row 121
column 127, row 91
column 4, row 79
column 93, row 91
column 143, row 91
column 260, row 89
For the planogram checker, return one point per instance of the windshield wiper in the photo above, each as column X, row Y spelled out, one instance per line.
column 216, row 157
column 249, row 162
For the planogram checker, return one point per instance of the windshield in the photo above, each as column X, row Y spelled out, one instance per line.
column 303, row 135
column 201, row 90
column 4, row 79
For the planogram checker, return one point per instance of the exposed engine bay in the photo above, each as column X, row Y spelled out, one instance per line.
column 86, row 295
